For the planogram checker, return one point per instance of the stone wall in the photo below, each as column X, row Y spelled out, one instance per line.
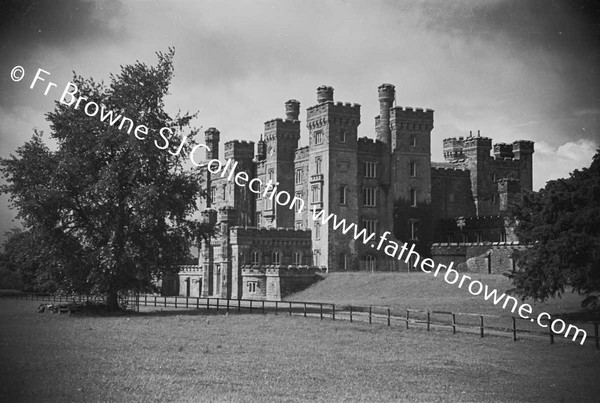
column 487, row 257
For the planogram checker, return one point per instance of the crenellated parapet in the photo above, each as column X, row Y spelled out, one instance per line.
column 368, row 145
column 453, row 148
column 239, row 150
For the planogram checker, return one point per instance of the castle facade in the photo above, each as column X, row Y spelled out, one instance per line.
column 263, row 249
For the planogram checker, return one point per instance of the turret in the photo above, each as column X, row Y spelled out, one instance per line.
column 292, row 109
column 386, row 100
column 261, row 149
column 523, row 151
column 212, row 137
column 503, row 150
column 324, row 94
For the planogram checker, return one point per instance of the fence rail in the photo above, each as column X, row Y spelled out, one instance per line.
column 430, row 319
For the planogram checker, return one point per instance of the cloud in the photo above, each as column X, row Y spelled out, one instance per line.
column 558, row 162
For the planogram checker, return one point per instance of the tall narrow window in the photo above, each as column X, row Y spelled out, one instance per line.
column 252, row 286
column 343, row 261
column 319, row 137
column 318, row 167
column 213, row 194
column 316, row 194
column 370, row 197
column 413, row 140
column 371, row 262
column 298, row 176
column 413, row 169
column 414, row 229
column 297, row 258
column 317, row 257
column 317, row 230
column 299, row 203
column 413, row 197
column 370, row 169
column 370, row 226
column 255, row 259
column 276, row 258
column 343, row 194
column 342, row 136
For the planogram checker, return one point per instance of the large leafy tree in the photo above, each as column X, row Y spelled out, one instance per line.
column 108, row 211
column 562, row 224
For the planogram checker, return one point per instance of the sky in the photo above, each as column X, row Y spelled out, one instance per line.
column 513, row 69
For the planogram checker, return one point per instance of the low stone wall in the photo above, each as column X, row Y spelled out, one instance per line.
column 487, row 257
column 272, row 283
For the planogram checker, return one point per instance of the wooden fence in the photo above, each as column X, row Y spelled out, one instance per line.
column 409, row 318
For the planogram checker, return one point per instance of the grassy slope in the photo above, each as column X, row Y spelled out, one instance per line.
column 192, row 356
column 419, row 291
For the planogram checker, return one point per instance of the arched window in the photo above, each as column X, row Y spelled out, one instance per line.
column 297, row 258
column 255, row 257
column 276, row 258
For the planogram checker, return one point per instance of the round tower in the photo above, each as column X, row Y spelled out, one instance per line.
column 292, row 109
column 211, row 139
column 387, row 94
column 324, row 94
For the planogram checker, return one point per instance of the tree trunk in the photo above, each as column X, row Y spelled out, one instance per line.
column 112, row 301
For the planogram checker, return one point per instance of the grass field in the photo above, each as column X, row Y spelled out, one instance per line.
column 182, row 355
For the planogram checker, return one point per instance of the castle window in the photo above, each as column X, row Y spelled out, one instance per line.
column 494, row 199
column 343, row 194
column 252, row 286
column 276, row 258
column 413, row 169
column 268, row 203
column 318, row 166
column 413, row 140
column 370, row 262
column 316, row 194
column 299, row 203
column 297, row 258
column 451, row 197
column 271, row 173
column 370, row 169
column 298, row 176
column 255, row 257
column 413, row 197
column 343, row 261
column 319, row 137
column 370, row 197
column 370, row 226
column 414, row 229
column 317, row 257
column 258, row 219
column 317, row 230
column 494, row 177
column 342, row 136
column 213, row 194
column 224, row 192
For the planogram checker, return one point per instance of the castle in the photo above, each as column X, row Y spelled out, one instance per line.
column 450, row 210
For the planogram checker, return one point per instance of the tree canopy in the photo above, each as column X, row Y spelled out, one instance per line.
column 107, row 211
column 562, row 224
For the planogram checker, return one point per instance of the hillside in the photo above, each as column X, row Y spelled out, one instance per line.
column 420, row 291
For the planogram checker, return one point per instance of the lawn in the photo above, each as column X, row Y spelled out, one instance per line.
column 180, row 355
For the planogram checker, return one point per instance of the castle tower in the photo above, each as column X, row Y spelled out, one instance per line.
column 477, row 153
column 332, row 169
column 206, row 258
column 453, row 148
column 241, row 152
column 261, row 149
column 212, row 137
column 222, row 275
column 281, row 138
column 387, row 94
column 411, row 173
column 523, row 151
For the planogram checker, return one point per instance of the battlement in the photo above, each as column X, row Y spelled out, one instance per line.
column 412, row 113
column 477, row 142
column 239, row 149
column 503, row 150
column 301, row 153
column 292, row 109
column 370, row 145
column 454, row 172
column 279, row 128
column 453, row 148
column 522, row 147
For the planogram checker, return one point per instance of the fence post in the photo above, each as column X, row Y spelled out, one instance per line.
column 481, row 327
column 596, row 336
column 251, row 306
column 187, row 301
column 305, row 309
column 551, row 331
column 145, row 300
column 333, row 311
column 428, row 319
column 176, row 301
column 276, row 307
column 207, row 303
column 165, row 301
column 370, row 314
column 407, row 315
column 227, row 305
column 350, row 313
column 514, row 320
column 155, row 300
column 198, row 303
column 453, row 323
column 389, row 317
column 321, row 311
column 263, row 306
column 239, row 304
column 290, row 309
